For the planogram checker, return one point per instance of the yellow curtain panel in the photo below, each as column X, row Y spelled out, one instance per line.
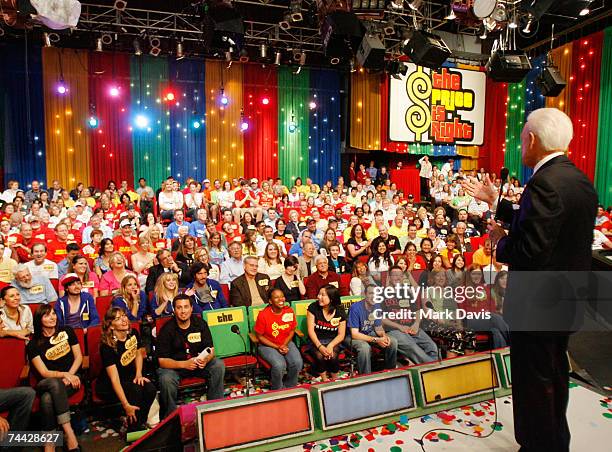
column 470, row 154
column 365, row 111
column 66, row 131
column 562, row 58
column 224, row 145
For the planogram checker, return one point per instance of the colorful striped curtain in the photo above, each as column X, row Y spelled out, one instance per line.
column 224, row 144
column 514, row 126
column 65, row 115
column 562, row 58
column 603, row 171
column 533, row 100
column 293, row 100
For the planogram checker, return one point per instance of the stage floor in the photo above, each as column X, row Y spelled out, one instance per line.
column 589, row 414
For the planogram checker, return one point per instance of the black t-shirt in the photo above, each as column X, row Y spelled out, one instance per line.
column 326, row 329
column 291, row 293
column 123, row 357
column 55, row 351
column 183, row 344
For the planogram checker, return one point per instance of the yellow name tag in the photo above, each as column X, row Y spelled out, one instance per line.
column 48, row 267
column 263, row 282
column 288, row 317
column 58, row 351
column 213, row 293
column 334, row 283
column 86, row 316
column 12, row 240
column 295, row 284
column 89, row 249
column 128, row 356
column 4, row 273
column 194, row 337
column 37, row 289
column 417, row 266
column 88, row 284
column 224, row 317
column 335, row 321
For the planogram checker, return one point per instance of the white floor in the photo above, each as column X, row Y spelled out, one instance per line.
column 591, row 430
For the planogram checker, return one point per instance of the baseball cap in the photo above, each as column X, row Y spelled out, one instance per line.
column 254, row 180
column 33, row 219
column 69, row 279
column 125, row 223
column 206, row 180
column 78, row 203
column 131, row 206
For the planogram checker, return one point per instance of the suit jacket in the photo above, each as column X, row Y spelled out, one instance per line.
column 548, row 249
column 156, row 271
column 240, row 295
column 303, row 267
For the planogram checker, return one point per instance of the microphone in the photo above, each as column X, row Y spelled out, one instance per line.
column 503, row 176
column 236, row 330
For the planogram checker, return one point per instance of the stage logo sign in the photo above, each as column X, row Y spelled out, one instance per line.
column 446, row 106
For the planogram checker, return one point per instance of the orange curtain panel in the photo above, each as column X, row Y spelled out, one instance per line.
column 365, row 111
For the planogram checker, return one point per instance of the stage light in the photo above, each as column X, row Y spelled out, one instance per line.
column 114, row 91
column 312, row 105
column 47, row 40
column 141, row 121
column 483, row 35
column 265, row 101
column 180, row 54
column 61, row 87
column 584, row 12
column 244, row 55
column 93, row 122
column 263, row 51
column 335, row 60
column 415, row 4
column 296, row 10
column 513, row 24
column 196, row 124
column 278, row 56
column 99, row 47
column 137, row 48
column 451, row 16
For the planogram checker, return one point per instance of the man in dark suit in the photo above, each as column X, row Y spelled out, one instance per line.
column 548, row 250
column 166, row 265
column 250, row 288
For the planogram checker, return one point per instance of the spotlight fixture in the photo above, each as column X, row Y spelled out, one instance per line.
column 263, row 51
column 244, row 55
column 99, row 47
column 137, row 48
column 107, row 39
column 396, row 69
column 180, row 52
column 513, row 24
column 527, row 28
column 302, row 59
column 155, row 46
column 47, row 40
column 451, row 16
column 335, row 60
column 296, row 10
column 396, row 4
column 415, row 4
column 120, row 5
column 483, row 35
column 285, row 24
column 278, row 56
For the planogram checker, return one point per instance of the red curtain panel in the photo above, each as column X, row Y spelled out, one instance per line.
column 491, row 156
column 111, row 142
column 584, row 103
column 391, row 146
column 260, row 104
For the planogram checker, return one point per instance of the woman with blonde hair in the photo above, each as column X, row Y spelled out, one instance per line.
column 201, row 255
column 143, row 258
column 111, row 280
column 155, row 239
column 166, row 288
column 271, row 263
column 131, row 298
column 249, row 248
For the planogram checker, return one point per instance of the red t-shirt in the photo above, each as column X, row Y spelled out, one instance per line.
column 56, row 250
column 124, row 247
column 276, row 327
column 266, row 200
column 90, row 252
column 239, row 196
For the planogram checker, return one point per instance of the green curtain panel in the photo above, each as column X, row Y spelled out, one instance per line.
column 293, row 99
column 150, row 119
column 603, row 168
column 514, row 126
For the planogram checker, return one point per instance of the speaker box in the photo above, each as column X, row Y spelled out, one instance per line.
column 341, row 33
column 427, row 49
column 509, row 66
column 371, row 53
column 550, row 82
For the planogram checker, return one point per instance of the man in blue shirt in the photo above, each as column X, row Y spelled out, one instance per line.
column 205, row 293
column 173, row 228
column 72, row 250
column 198, row 228
column 366, row 331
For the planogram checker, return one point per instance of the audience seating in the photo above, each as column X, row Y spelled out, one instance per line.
column 14, row 372
column 103, row 304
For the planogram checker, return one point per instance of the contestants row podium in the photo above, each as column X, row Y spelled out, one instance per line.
column 307, row 413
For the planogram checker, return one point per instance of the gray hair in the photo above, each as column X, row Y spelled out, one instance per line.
column 553, row 128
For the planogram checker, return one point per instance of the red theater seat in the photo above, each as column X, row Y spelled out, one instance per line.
column 226, row 292
column 103, row 304
column 13, row 356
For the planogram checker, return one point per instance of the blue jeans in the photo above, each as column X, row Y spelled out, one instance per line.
column 364, row 354
column 169, row 380
column 289, row 364
column 497, row 326
column 419, row 348
column 54, row 405
column 18, row 402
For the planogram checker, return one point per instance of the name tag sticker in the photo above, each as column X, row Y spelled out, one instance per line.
column 287, row 317
column 213, row 293
column 86, row 316
column 334, row 283
column 194, row 338
column 335, row 321
column 295, row 284
column 264, row 282
column 35, row 290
